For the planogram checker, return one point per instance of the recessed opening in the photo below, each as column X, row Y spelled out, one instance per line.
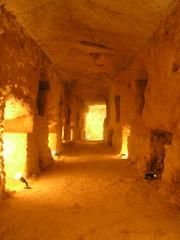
column 141, row 85
column 42, row 96
column 53, row 142
column 159, row 139
column 175, row 67
column 72, row 134
column 95, row 122
column 62, row 134
column 77, row 129
column 110, row 136
column 17, row 124
column 126, row 131
column 117, row 99
column 15, row 156
column 63, row 130
column 68, row 116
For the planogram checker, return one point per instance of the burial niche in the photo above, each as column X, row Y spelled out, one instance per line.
column 117, row 100
column 44, row 86
column 110, row 137
column 159, row 139
column 141, row 85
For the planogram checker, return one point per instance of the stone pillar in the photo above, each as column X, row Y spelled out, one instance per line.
column 59, row 138
column 83, row 124
column 67, row 111
column 2, row 166
column 106, row 123
column 55, row 137
column 32, row 165
column 45, row 158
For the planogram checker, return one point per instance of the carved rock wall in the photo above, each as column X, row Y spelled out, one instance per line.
column 22, row 67
column 150, row 98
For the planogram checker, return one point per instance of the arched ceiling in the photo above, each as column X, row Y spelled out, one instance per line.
column 90, row 41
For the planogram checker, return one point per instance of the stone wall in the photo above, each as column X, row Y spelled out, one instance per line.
column 19, row 76
column 73, row 114
column 112, row 128
column 150, row 100
column 77, row 118
column 55, row 112
column 68, row 97
column 50, row 112
column 23, row 68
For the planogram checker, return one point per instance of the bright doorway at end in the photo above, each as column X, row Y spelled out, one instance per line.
column 95, row 122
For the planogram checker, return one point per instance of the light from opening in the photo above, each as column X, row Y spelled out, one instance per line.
column 62, row 133
column 126, row 130
column 18, row 175
column 95, row 121
column 72, row 134
column 15, row 156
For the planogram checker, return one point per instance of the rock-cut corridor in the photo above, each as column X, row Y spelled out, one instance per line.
column 89, row 194
column 89, row 107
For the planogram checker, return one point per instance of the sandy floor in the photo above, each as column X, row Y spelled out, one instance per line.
column 89, row 195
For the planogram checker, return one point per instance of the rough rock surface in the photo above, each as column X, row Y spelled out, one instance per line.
column 89, row 195
column 89, row 41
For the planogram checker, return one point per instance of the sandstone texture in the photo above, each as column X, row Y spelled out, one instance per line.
column 59, row 57
column 90, row 41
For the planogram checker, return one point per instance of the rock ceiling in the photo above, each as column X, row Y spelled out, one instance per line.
column 89, row 41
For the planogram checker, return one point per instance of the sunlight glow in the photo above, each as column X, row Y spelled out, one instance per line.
column 53, row 152
column 72, row 134
column 18, row 175
column 15, row 156
column 52, row 141
column 95, row 121
column 62, row 133
column 15, row 108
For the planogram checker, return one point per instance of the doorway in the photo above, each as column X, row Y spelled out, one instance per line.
column 95, row 122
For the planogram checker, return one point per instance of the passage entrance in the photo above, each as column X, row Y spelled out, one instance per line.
column 95, row 122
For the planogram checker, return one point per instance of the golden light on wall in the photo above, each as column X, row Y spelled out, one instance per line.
column 52, row 141
column 15, row 155
column 72, row 134
column 71, row 131
column 95, row 122
column 15, row 108
column 62, row 133
column 126, row 130
column 63, row 129
column 17, row 124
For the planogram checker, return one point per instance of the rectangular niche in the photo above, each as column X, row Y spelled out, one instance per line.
column 158, row 135
column 117, row 101
column 141, row 85
column 44, row 86
column 68, row 116
column 159, row 138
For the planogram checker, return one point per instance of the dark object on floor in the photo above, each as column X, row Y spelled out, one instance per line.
column 150, row 176
column 22, row 179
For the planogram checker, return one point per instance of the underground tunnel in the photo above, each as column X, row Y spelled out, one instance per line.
column 89, row 119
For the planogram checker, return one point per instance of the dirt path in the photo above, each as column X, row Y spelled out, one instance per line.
column 90, row 195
